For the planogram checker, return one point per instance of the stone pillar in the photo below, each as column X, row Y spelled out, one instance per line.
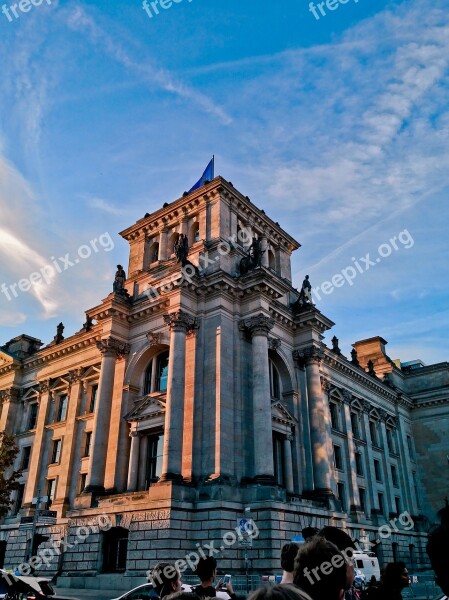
column 260, row 326
column 179, row 323
column 9, row 400
column 354, row 496
column 110, row 348
column 409, row 496
column 133, row 462
column 142, row 483
column 265, row 246
column 370, row 477
column 319, row 421
column 163, row 243
column 387, row 465
column 288, row 464
column 69, row 442
column 36, row 464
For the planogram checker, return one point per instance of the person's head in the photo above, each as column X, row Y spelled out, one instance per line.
column 183, row 596
column 166, row 579
column 321, row 570
column 345, row 544
column 206, row 568
column 288, row 555
column 279, row 592
column 438, row 551
column 395, row 576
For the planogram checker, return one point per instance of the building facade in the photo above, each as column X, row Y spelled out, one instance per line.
column 200, row 392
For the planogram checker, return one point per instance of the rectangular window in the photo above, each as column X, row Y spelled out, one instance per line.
column 62, row 408
column 51, row 491
column 397, row 502
column 410, row 447
column 93, row 398
column 390, row 441
column 87, row 443
column 394, row 475
column 19, row 498
column 377, row 470
column 373, row 433
column 381, row 503
column 362, row 495
column 56, row 452
column 25, row 463
column 342, row 495
column 334, row 415
column 83, row 481
column 359, row 464
column 338, row 459
column 32, row 420
column 355, row 425
column 154, row 458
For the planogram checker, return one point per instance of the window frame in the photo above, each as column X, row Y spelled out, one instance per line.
column 338, row 454
column 56, row 452
column 33, row 415
column 26, row 453
column 63, row 405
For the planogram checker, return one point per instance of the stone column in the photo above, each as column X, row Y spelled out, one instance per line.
column 370, row 476
column 142, row 484
column 163, row 243
column 288, row 464
column 133, row 462
column 409, row 496
column 259, row 327
column 179, row 323
column 110, row 348
column 36, row 464
column 354, row 496
column 69, row 442
column 387, row 465
column 319, row 422
column 264, row 246
column 9, row 400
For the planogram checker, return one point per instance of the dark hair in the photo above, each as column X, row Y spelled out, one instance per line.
column 279, row 592
column 206, row 567
column 183, row 596
column 340, row 538
column 392, row 574
column 320, row 554
column 288, row 555
column 438, row 550
column 162, row 576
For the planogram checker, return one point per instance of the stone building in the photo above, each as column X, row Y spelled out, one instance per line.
column 200, row 392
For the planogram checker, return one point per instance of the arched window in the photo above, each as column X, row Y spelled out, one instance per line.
column 154, row 252
column 194, row 233
column 171, row 246
column 275, row 381
column 156, row 374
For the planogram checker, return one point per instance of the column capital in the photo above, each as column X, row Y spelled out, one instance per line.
column 113, row 347
column 366, row 406
column 181, row 321
column 257, row 325
column 43, row 387
column 309, row 355
column 10, row 395
column 75, row 375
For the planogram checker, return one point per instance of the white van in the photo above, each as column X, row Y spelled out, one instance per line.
column 367, row 563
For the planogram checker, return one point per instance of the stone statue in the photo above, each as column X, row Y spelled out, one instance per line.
column 254, row 257
column 305, row 296
column 87, row 326
column 119, row 282
column 181, row 249
column 335, row 347
column 354, row 358
column 59, row 331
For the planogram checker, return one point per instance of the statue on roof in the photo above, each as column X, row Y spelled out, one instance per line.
column 253, row 259
column 305, row 296
column 119, row 281
column 181, row 249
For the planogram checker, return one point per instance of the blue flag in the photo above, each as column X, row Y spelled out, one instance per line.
column 208, row 175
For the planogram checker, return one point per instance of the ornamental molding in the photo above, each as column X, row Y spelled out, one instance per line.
column 154, row 339
column 10, row 395
column 274, row 343
column 257, row 325
column 181, row 321
column 62, row 350
column 113, row 347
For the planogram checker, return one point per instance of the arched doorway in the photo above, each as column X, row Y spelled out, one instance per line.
column 115, row 550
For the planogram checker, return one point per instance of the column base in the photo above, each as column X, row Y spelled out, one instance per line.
column 94, row 489
column 176, row 477
column 323, row 495
column 264, row 480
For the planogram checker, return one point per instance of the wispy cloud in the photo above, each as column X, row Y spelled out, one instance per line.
column 105, row 206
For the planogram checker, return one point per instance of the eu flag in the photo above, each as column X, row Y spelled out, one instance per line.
column 208, row 175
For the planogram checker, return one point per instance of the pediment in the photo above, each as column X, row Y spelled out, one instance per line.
column 60, row 382
column 7, row 359
column 92, row 373
column 280, row 414
column 30, row 393
column 149, row 407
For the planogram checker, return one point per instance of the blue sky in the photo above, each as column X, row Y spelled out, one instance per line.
column 338, row 128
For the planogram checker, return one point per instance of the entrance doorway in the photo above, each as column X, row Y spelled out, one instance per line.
column 115, row 550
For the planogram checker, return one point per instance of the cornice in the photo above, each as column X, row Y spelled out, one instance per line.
column 69, row 346
column 344, row 366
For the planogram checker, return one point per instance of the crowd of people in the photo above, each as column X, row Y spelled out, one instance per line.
column 319, row 569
